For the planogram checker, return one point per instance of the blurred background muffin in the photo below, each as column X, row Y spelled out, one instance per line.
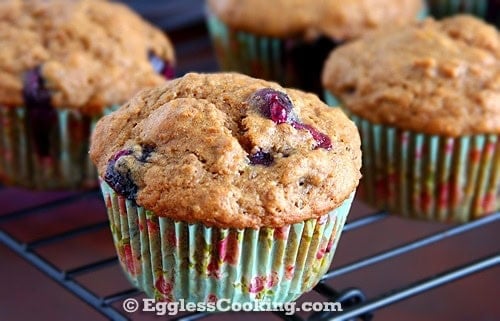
column 63, row 64
column 288, row 41
column 426, row 99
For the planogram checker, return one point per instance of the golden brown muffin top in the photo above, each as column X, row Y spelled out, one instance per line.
column 436, row 77
column 338, row 19
column 91, row 54
column 211, row 148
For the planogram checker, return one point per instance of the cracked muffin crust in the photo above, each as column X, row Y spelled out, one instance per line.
column 228, row 150
column 436, row 77
column 83, row 51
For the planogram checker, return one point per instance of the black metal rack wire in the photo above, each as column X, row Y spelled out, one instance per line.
column 191, row 41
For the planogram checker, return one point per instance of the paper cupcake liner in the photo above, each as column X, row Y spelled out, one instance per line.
column 46, row 153
column 292, row 62
column 428, row 176
column 486, row 9
column 171, row 260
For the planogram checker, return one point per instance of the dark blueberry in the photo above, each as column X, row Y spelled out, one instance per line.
column 274, row 105
column 42, row 118
column 261, row 158
column 322, row 140
column 120, row 154
column 168, row 71
column 118, row 176
column 161, row 66
column 147, row 149
column 278, row 107
column 34, row 92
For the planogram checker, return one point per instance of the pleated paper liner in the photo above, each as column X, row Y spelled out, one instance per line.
column 49, row 151
column 489, row 10
column 428, row 176
column 292, row 62
column 171, row 260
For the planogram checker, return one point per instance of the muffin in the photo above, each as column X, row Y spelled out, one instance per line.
column 288, row 41
column 486, row 9
column 225, row 186
column 426, row 99
column 84, row 58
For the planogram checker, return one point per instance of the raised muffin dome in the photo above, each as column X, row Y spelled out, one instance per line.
column 336, row 19
column 229, row 150
column 436, row 77
column 86, row 54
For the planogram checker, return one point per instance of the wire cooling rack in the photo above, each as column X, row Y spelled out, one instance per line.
column 194, row 52
column 356, row 306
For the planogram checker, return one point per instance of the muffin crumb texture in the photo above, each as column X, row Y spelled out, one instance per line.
column 228, row 150
column 91, row 54
column 436, row 77
column 339, row 20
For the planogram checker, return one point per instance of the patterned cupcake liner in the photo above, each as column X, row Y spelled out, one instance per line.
column 486, row 9
column 45, row 151
column 428, row 176
column 171, row 260
column 292, row 62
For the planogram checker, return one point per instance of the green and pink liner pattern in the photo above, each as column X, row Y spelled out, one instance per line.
column 45, row 153
column 448, row 179
column 292, row 61
column 46, row 148
column 171, row 260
